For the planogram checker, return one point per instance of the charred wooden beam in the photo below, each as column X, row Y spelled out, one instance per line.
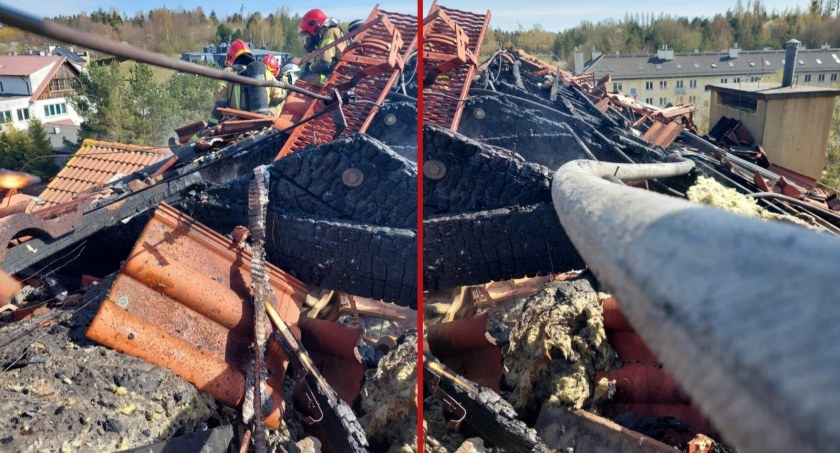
column 481, row 408
column 339, row 422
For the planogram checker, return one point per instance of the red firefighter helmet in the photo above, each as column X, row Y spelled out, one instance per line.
column 312, row 21
column 272, row 63
column 236, row 49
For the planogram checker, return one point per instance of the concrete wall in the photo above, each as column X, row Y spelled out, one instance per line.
column 698, row 95
column 12, row 105
column 796, row 133
column 38, row 111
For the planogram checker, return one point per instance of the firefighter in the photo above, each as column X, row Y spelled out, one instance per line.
column 318, row 31
column 276, row 96
column 240, row 60
column 290, row 73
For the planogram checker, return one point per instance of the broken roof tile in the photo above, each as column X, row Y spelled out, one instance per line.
column 182, row 301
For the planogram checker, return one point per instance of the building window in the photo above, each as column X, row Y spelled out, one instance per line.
column 6, row 116
column 737, row 80
column 807, row 78
column 60, row 85
column 834, row 77
column 648, row 100
column 23, row 114
column 633, row 92
column 617, row 86
column 662, row 101
column 692, row 83
column 55, row 109
column 692, row 99
column 724, row 80
column 821, row 78
column 663, row 84
column 680, row 84
column 648, row 86
column 737, row 102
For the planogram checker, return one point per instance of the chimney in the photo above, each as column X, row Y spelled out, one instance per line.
column 825, row 46
column 665, row 53
column 791, row 47
column 733, row 52
column 578, row 61
column 595, row 54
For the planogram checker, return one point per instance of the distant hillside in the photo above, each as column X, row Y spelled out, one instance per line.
column 752, row 27
column 172, row 31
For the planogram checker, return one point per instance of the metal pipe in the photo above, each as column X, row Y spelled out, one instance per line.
column 14, row 18
column 791, row 48
column 743, row 312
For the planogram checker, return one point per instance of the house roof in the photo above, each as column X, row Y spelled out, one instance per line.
column 24, row 65
column 70, row 56
column 765, row 91
column 95, row 164
column 36, row 93
column 704, row 64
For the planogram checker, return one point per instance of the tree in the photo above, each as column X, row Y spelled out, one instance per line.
column 721, row 33
column 14, row 147
column 138, row 110
column 831, row 174
column 41, row 151
column 223, row 33
column 28, row 151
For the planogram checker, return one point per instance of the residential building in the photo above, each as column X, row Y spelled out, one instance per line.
column 36, row 87
column 672, row 78
column 790, row 123
column 216, row 54
column 78, row 59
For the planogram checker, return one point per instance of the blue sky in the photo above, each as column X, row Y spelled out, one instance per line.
column 553, row 15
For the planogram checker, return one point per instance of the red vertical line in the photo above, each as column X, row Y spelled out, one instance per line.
column 420, row 433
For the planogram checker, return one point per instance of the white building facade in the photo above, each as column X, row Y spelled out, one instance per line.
column 36, row 87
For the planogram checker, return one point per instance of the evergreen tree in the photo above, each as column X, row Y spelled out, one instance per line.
column 40, row 153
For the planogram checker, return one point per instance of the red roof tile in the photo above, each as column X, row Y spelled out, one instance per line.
column 95, row 164
column 24, row 65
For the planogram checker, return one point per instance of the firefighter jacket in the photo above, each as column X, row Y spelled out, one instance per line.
column 228, row 94
column 276, row 95
column 321, row 65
